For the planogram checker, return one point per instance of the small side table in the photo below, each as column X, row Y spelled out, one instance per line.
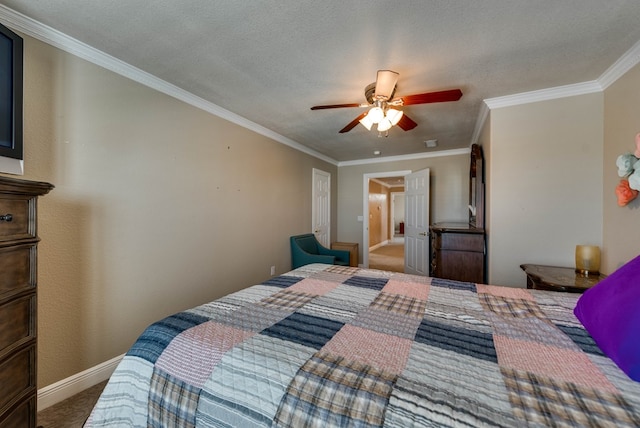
column 352, row 247
column 556, row 278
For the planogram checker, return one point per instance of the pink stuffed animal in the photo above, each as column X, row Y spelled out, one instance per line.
column 637, row 153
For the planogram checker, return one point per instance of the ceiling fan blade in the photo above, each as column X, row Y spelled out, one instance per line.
column 406, row 123
column 385, row 84
column 353, row 123
column 334, row 106
column 432, row 97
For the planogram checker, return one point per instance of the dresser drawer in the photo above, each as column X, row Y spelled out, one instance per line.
column 17, row 377
column 459, row 241
column 15, row 319
column 17, row 265
column 22, row 416
column 16, row 217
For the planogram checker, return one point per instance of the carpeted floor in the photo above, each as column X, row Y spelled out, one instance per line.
column 72, row 412
column 388, row 257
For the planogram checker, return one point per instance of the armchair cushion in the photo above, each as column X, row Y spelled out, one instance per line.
column 305, row 249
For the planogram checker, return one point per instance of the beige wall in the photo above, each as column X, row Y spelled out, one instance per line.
column 621, row 240
column 449, row 179
column 544, row 169
column 158, row 207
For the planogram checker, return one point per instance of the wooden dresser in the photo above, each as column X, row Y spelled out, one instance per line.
column 18, row 322
column 458, row 252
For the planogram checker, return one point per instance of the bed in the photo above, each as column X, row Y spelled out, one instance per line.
column 327, row 345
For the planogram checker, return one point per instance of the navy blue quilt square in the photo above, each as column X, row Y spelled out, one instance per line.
column 467, row 342
column 157, row 336
column 454, row 285
column 367, row 282
column 282, row 281
column 306, row 330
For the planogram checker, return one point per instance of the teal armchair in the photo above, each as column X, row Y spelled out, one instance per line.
column 305, row 249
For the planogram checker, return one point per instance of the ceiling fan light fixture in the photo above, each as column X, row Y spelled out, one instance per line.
column 367, row 122
column 376, row 114
column 394, row 116
column 384, row 125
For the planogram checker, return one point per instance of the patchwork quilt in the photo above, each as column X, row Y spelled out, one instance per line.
column 325, row 346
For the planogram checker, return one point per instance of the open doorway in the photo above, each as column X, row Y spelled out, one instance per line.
column 383, row 207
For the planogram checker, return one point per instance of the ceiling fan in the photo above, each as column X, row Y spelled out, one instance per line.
column 380, row 97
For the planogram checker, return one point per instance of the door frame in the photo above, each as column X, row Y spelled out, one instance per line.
column 365, row 207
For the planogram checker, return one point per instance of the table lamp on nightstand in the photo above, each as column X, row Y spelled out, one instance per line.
column 588, row 259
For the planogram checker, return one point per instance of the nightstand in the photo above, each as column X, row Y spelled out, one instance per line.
column 351, row 247
column 557, row 278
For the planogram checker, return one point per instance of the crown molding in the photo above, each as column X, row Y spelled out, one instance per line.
column 626, row 62
column 75, row 47
column 440, row 153
column 544, row 94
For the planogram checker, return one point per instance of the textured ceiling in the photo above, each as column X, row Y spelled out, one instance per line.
column 270, row 61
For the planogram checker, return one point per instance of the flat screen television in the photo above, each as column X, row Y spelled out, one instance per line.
column 11, row 54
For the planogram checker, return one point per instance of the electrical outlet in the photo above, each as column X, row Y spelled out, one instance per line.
column 273, row 270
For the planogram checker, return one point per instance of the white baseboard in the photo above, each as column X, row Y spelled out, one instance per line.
column 61, row 390
column 381, row 244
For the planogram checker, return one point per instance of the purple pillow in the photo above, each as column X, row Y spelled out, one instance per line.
column 610, row 312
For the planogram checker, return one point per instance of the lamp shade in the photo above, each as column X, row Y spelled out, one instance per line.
column 588, row 259
column 376, row 114
column 394, row 116
column 384, row 125
column 367, row 122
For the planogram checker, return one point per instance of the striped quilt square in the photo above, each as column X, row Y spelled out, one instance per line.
column 158, row 335
column 330, row 276
column 314, row 286
column 388, row 322
column 566, row 365
column 249, row 295
column 367, row 282
column 581, row 338
column 532, row 329
column 282, row 281
column 305, row 330
column 246, row 387
column 426, row 393
column 349, row 297
column 330, row 390
column 329, row 308
column 466, row 318
column 545, row 401
column 253, row 317
column 453, row 285
column 400, row 284
column 286, row 299
column 400, row 304
column 193, row 354
column 464, row 341
column 383, row 351
column 172, row 402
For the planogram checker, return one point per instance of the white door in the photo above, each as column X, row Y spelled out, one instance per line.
column 416, row 227
column 320, row 206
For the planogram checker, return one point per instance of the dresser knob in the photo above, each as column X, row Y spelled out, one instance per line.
column 6, row 217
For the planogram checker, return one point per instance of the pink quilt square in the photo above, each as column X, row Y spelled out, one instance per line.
column 314, row 286
column 508, row 292
column 383, row 351
column 192, row 355
column 558, row 363
column 409, row 289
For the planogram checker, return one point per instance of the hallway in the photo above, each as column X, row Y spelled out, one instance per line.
column 388, row 257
